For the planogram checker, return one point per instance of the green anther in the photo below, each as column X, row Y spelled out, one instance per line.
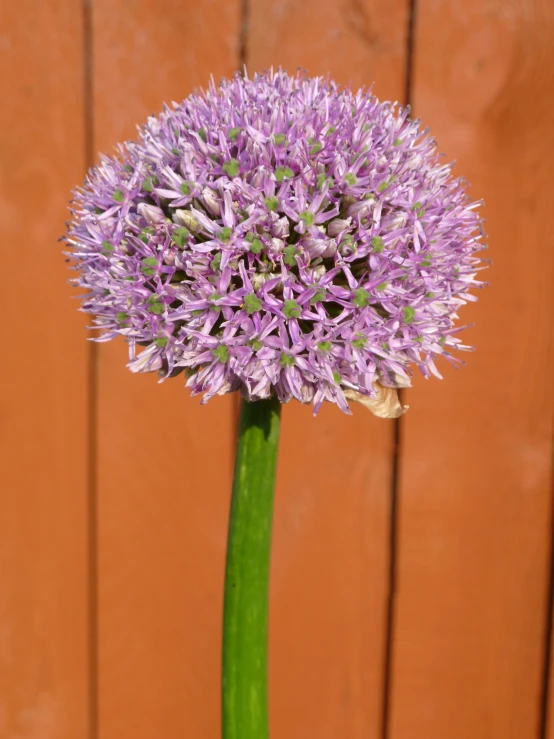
column 215, row 264
column 429, row 295
column 176, row 151
column 311, row 140
column 128, row 168
column 98, row 211
column 397, row 142
column 283, row 172
column 196, row 313
column 442, row 340
column 231, row 167
column 420, row 213
column 161, row 341
column 417, row 206
column 324, row 346
column 178, row 276
column 408, row 312
column 419, row 339
column 252, row 303
column 255, row 345
column 180, row 236
column 361, row 297
column 233, row 133
column 185, row 188
column 202, row 133
column 107, row 247
column 290, row 254
column 425, row 262
column 336, row 377
column 256, row 246
column 149, row 184
column 145, row 234
column 118, row 196
column 221, row 353
column 308, row 217
column 215, row 158
column 366, row 127
column 377, row 244
column 122, row 316
column 271, row 203
column 319, row 296
column 250, row 236
column 383, row 186
column 225, row 233
column 280, row 139
column 331, row 129
column 382, row 286
column 320, row 180
column 154, row 305
column 291, row 309
column 385, row 346
column 350, row 178
column 316, row 148
column 286, row 360
column 149, row 265
column 359, row 342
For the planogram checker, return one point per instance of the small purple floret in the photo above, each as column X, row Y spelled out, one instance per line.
column 278, row 235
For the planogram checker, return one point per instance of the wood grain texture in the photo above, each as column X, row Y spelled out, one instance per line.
column 43, row 376
column 476, row 472
column 547, row 709
column 165, row 464
column 331, row 532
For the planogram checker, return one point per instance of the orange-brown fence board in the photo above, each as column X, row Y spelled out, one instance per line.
column 113, row 523
column 44, row 651
column 476, row 477
column 164, row 463
column 331, row 542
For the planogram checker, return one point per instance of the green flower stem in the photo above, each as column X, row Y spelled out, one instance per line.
column 245, row 619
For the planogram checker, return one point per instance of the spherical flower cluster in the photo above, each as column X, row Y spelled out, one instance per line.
column 278, row 235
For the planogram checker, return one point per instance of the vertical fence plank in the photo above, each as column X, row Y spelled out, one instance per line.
column 43, row 380
column 164, row 462
column 476, row 457
column 331, row 541
column 547, row 706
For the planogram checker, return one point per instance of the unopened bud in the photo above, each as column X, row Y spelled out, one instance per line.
column 319, row 247
column 210, row 201
column 337, row 225
column 280, row 228
column 275, row 248
column 151, row 213
column 361, row 209
column 185, row 218
column 398, row 221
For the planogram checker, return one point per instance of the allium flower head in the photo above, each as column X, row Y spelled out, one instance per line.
column 278, row 235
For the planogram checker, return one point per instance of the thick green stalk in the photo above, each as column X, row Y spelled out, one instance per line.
column 245, row 619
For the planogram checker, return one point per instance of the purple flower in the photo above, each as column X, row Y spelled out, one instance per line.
column 278, row 235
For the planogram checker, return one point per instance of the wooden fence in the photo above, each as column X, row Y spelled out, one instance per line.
column 412, row 562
